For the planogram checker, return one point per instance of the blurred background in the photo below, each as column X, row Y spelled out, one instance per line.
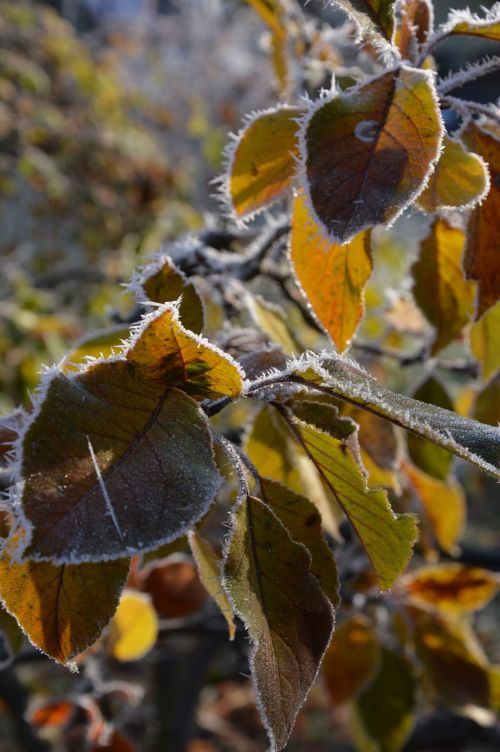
column 113, row 118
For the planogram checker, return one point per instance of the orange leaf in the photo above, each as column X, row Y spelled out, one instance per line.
column 331, row 276
column 351, row 660
column 452, row 587
column 416, row 17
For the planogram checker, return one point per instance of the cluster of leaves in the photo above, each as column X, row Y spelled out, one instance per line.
column 136, row 438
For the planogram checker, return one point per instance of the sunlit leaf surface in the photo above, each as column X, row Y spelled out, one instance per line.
column 134, row 628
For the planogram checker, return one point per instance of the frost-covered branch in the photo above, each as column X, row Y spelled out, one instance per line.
column 473, row 71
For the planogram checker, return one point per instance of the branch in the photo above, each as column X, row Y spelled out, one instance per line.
column 461, row 77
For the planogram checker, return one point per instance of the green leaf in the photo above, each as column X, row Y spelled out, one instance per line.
column 385, row 711
column 209, row 570
column 476, row 442
column 387, row 538
column 303, row 522
column 427, row 456
column 63, row 609
column 440, row 289
column 367, row 152
column 112, row 465
column 267, row 577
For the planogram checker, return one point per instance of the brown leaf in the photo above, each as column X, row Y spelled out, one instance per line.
column 351, row 660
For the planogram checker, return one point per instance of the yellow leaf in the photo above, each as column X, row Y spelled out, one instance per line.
column 271, row 319
column 387, row 538
column 99, row 345
column 464, row 22
column 446, row 517
column 167, row 353
column 484, row 339
column 460, row 179
column 210, row 575
column 134, row 628
column 63, row 609
column 331, row 276
column 482, row 251
column 367, row 151
column 440, row 290
column 261, row 163
column 351, row 660
column 452, row 587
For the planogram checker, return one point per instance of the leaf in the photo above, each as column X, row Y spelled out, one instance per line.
column 128, row 466
column 451, row 587
column 484, row 338
column 480, row 259
column 385, row 711
column 209, row 569
column 271, row 319
column 290, row 621
column 331, row 276
column 134, row 628
column 174, row 586
column 303, row 522
column 415, row 25
column 425, row 455
column 351, row 660
column 272, row 13
column 167, row 353
column 487, row 407
column 261, row 162
column 63, row 609
column 372, row 17
column 447, row 516
column 454, row 660
column 440, row 290
column 476, row 442
column 366, row 152
column 102, row 344
column 387, row 538
column 460, row 180
column 11, row 637
column 464, row 22
column 270, row 446
column 162, row 282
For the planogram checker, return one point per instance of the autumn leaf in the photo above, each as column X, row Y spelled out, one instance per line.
column 454, row 660
column 113, row 465
column 209, row 569
column 272, row 320
column 484, row 338
column 384, row 713
column 270, row 446
column 481, row 251
column 162, row 282
column 174, row 587
column 351, row 660
column 446, row 518
column 165, row 352
column 460, row 180
column 331, row 276
column 464, row 22
column 415, row 25
column 367, row 152
column 11, row 636
column 440, row 290
column 303, row 522
column 290, row 621
column 451, row 587
column 134, row 628
column 430, row 458
column 63, row 609
column 261, row 161
column 387, row 538
column 372, row 17
column 476, row 442
column 487, row 406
